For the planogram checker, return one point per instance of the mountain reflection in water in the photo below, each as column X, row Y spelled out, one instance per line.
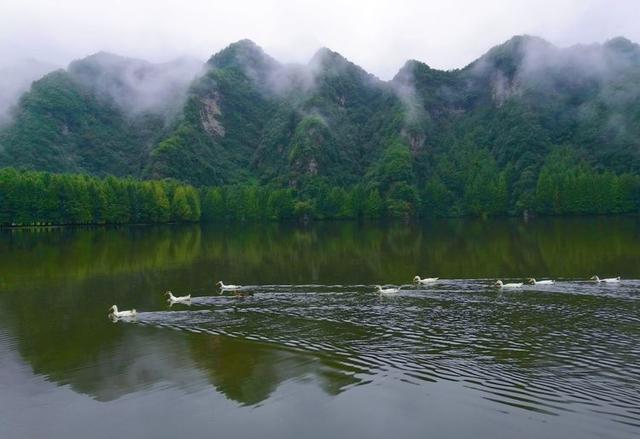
column 562, row 358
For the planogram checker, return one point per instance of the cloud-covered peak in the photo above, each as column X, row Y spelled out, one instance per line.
column 133, row 84
column 244, row 54
column 409, row 70
column 326, row 62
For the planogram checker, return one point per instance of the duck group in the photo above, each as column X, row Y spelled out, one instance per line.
column 530, row 281
column 533, row 281
column 116, row 314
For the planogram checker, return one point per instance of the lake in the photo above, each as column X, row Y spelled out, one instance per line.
column 307, row 348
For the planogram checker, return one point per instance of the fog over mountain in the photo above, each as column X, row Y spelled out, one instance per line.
column 16, row 79
column 135, row 85
column 379, row 36
column 243, row 114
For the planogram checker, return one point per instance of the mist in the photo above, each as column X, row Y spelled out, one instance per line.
column 594, row 76
column 378, row 36
column 15, row 80
column 137, row 86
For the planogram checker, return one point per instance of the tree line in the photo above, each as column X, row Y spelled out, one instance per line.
column 42, row 198
column 563, row 187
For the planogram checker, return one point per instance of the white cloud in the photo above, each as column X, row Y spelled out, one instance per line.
column 378, row 35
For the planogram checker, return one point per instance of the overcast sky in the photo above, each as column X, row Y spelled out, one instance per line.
column 379, row 35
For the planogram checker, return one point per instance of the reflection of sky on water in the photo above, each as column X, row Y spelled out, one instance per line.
column 187, row 407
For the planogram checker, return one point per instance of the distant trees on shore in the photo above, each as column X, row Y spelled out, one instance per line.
column 563, row 187
column 35, row 198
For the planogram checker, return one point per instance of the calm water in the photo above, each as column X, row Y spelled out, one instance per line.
column 308, row 350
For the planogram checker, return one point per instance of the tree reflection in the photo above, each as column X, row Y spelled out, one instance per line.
column 57, row 284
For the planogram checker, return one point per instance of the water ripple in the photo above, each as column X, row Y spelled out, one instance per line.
column 571, row 346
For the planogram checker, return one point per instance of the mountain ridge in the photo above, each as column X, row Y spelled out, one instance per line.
column 246, row 118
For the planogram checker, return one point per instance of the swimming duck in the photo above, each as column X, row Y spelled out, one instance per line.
column 179, row 299
column 224, row 287
column 381, row 290
column 607, row 280
column 122, row 314
column 532, row 281
column 428, row 280
column 499, row 284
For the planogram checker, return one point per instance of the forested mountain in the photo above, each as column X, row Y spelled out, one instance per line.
column 527, row 126
column 100, row 116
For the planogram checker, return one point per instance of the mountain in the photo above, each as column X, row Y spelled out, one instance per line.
column 100, row 116
column 250, row 117
column 473, row 140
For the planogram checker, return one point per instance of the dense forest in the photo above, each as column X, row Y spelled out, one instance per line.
column 42, row 198
column 528, row 127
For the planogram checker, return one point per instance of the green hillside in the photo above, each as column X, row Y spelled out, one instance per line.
column 527, row 126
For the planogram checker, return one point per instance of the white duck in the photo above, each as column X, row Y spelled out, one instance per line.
column 178, row 299
column 427, row 280
column 122, row 314
column 609, row 280
column 499, row 284
column 532, row 281
column 224, row 287
column 381, row 290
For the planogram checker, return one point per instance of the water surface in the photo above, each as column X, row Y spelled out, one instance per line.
column 308, row 349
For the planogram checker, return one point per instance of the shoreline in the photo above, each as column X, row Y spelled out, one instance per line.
column 527, row 219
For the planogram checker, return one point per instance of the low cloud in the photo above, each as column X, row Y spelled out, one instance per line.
column 15, row 80
column 137, row 86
